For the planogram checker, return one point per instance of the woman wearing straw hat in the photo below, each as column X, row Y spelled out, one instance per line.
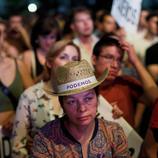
column 36, row 107
column 79, row 133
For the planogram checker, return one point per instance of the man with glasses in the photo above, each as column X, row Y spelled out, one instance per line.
column 123, row 91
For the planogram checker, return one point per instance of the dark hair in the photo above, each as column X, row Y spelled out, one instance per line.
column 61, row 98
column 104, row 42
column 101, row 18
column 44, row 26
column 80, row 9
column 151, row 15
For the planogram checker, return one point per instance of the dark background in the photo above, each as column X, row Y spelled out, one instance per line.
column 9, row 7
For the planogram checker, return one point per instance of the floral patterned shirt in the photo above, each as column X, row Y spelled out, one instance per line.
column 36, row 107
column 54, row 141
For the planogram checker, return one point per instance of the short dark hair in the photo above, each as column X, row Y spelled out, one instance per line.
column 44, row 26
column 80, row 9
column 104, row 42
column 101, row 19
column 151, row 15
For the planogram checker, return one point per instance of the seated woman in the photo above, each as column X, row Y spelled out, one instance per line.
column 79, row 133
column 45, row 33
column 36, row 106
column 14, row 78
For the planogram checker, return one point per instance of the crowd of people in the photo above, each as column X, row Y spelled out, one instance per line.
column 52, row 72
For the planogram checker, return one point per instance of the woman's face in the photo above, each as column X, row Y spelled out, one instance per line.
column 69, row 53
column 45, row 41
column 81, row 108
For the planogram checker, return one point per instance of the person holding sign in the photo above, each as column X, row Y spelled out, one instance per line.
column 125, row 91
column 149, row 86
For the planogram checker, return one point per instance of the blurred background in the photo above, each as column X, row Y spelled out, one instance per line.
column 28, row 7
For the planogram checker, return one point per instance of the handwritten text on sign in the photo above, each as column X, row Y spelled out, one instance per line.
column 126, row 13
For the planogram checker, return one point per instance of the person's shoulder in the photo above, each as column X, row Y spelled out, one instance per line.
column 127, row 77
column 110, row 125
column 153, row 48
column 35, row 89
column 9, row 60
column 49, row 128
column 28, row 53
column 95, row 38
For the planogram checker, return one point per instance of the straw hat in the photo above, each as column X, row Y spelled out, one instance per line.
column 73, row 78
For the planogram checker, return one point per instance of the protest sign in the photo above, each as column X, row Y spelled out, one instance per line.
column 134, row 140
column 127, row 13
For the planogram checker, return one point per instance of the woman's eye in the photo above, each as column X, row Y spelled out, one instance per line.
column 62, row 57
column 88, row 99
column 71, row 102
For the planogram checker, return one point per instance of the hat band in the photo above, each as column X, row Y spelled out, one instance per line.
column 77, row 84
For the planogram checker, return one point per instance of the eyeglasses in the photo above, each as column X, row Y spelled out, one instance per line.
column 110, row 59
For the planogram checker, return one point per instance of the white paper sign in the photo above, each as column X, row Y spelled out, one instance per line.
column 134, row 140
column 126, row 13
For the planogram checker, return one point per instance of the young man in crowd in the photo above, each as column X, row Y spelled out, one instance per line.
column 124, row 91
column 82, row 25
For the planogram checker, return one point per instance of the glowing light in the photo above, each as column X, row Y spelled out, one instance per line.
column 32, row 7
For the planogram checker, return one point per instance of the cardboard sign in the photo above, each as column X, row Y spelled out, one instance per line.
column 134, row 140
column 126, row 13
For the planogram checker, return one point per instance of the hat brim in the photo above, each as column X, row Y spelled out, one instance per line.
column 50, row 91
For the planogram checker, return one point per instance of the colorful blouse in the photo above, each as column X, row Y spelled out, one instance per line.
column 34, row 110
column 54, row 141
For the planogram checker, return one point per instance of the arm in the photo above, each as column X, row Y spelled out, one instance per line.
column 27, row 57
column 21, row 128
column 6, row 117
column 24, row 35
column 151, row 61
column 153, row 70
column 140, row 108
column 148, row 83
column 26, row 77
